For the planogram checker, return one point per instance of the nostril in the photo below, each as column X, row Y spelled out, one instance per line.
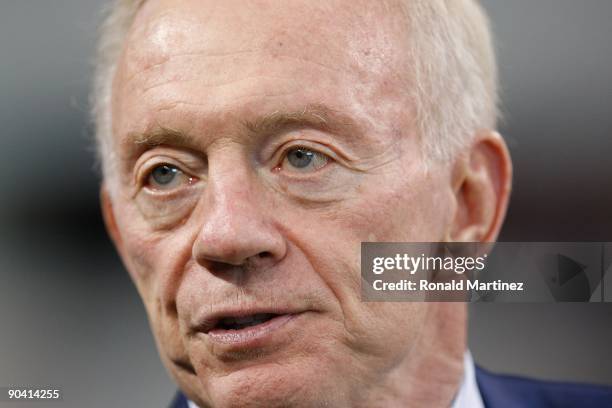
column 265, row 254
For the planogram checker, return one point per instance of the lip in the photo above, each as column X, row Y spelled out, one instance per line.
column 251, row 336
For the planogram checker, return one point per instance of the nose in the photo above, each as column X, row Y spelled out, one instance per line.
column 237, row 227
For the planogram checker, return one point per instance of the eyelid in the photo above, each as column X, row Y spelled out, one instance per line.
column 282, row 151
column 144, row 170
column 188, row 162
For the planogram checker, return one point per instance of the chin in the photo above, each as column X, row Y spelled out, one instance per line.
column 270, row 385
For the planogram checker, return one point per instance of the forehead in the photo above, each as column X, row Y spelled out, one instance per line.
column 367, row 31
column 219, row 54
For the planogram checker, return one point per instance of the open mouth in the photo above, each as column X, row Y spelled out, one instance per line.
column 239, row 323
column 246, row 330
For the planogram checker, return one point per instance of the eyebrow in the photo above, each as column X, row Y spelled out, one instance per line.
column 316, row 116
column 160, row 136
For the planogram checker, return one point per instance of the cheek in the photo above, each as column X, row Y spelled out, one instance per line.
column 414, row 211
column 388, row 330
column 137, row 248
column 396, row 211
column 152, row 255
column 156, row 263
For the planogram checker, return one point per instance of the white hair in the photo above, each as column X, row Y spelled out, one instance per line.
column 455, row 72
column 119, row 15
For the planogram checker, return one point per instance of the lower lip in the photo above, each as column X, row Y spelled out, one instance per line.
column 252, row 333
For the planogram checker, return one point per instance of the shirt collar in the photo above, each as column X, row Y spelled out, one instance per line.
column 468, row 395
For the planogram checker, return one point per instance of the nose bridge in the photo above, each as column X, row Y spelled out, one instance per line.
column 230, row 191
column 234, row 226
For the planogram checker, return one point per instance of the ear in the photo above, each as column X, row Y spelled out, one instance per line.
column 482, row 180
column 109, row 217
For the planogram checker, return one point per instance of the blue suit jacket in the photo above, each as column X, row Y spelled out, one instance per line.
column 508, row 391
column 505, row 391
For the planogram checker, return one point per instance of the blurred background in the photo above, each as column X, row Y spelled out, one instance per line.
column 71, row 318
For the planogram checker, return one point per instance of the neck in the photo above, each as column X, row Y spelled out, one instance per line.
column 431, row 374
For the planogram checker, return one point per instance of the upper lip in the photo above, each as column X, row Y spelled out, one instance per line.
column 210, row 320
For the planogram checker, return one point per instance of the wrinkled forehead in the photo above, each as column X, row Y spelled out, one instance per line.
column 366, row 37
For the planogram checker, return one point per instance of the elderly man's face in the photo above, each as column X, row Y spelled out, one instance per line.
column 257, row 145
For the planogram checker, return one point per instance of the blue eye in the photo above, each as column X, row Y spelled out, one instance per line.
column 303, row 159
column 166, row 176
